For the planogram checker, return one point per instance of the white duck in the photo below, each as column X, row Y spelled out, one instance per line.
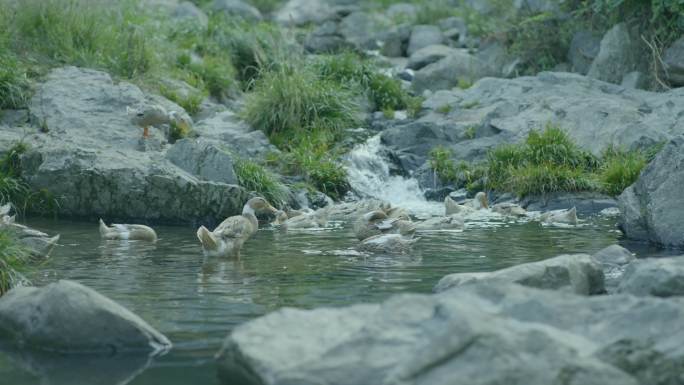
column 450, row 222
column 477, row 203
column 378, row 222
column 560, row 216
column 509, row 209
column 127, row 232
column 229, row 236
column 387, row 243
column 303, row 220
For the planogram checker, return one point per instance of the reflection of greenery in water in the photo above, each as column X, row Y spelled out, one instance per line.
column 196, row 302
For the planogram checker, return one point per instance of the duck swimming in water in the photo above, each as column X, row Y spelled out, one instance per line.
column 303, row 220
column 229, row 236
column 127, row 232
column 450, row 222
column 378, row 222
column 472, row 205
column 387, row 243
column 509, row 209
column 560, row 216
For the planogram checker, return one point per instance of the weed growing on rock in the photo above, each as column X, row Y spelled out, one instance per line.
column 255, row 177
column 12, row 257
column 620, row 169
column 15, row 88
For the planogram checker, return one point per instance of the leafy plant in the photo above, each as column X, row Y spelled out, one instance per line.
column 12, row 257
column 255, row 177
column 620, row 169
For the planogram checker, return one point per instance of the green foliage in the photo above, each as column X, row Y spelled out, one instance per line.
column 540, row 41
column 12, row 257
column 287, row 101
column 14, row 85
column 255, row 177
column 414, row 105
column 83, row 33
column 532, row 179
column 13, row 189
column 554, row 146
column 191, row 102
column 217, row 73
column 464, row 84
column 442, row 164
column 386, row 93
column 444, row 109
column 620, row 169
column 266, row 6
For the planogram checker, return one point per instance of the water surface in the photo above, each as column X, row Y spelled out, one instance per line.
column 196, row 301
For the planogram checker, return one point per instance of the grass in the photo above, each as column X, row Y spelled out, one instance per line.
column 15, row 88
column 191, row 102
column 255, row 177
column 12, row 257
column 293, row 100
column 620, row 169
column 13, row 188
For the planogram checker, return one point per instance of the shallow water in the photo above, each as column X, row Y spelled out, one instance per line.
column 196, row 302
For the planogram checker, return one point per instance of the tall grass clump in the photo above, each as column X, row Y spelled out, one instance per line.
column 15, row 88
column 13, row 188
column 255, row 177
column 84, row 33
column 620, row 169
column 294, row 100
column 12, row 257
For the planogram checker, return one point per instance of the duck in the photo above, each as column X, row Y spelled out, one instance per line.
column 229, row 236
column 568, row 216
column 388, row 244
column 378, row 222
column 37, row 243
column 127, row 232
column 156, row 115
column 307, row 220
column 509, row 209
column 472, row 205
column 450, row 222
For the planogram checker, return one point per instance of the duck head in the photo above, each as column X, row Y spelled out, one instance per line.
column 258, row 205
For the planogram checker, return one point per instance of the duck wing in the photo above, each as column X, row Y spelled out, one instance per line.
column 235, row 227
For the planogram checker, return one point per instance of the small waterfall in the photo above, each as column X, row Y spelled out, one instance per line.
column 369, row 175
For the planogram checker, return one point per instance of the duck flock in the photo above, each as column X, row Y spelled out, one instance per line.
column 379, row 227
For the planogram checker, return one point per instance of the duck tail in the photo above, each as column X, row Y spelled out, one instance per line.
column 206, row 238
column 103, row 228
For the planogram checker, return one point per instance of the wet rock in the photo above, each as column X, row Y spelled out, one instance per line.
column 660, row 277
column 618, row 55
column 446, row 73
column 90, row 158
column 584, row 48
column 428, row 55
column 578, row 273
column 394, row 42
column 586, row 203
column 486, row 333
column 188, row 11
column 497, row 111
column 203, row 160
column 46, row 319
column 650, row 209
column 237, row 8
column 423, row 36
column 302, row 12
column 614, row 259
column 674, row 62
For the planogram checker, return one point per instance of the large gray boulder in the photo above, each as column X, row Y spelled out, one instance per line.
column 578, row 273
column 584, row 47
column 447, row 72
column 650, row 208
column 92, row 161
column 428, row 55
column 237, row 8
column 674, row 62
column 661, row 277
column 203, row 159
column 423, row 36
column 484, row 334
column 614, row 259
column 68, row 317
column 497, row 111
column 302, row 12
column 619, row 54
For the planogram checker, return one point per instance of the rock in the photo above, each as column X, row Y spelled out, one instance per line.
column 90, row 159
column 498, row 111
column 428, row 55
column 587, row 203
column 584, row 48
column 423, row 36
column 446, row 73
column 188, row 11
column 489, row 334
column 674, row 62
column 634, row 80
column 237, row 8
column 618, row 55
column 302, row 12
column 578, row 273
column 203, row 160
column 395, row 41
column 614, row 259
column 45, row 319
column 650, row 207
column 496, row 56
column 660, row 277
column 361, row 29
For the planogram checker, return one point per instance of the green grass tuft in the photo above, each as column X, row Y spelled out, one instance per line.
column 620, row 169
column 12, row 257
column 15, row 89
column 255, row 177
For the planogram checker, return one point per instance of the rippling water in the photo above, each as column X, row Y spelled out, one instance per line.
column 196, row 302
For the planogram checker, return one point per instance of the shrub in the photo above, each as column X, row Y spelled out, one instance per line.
column 12, row 257
column 620, row 169
column 386, row 93
column 217, row 74
column 254, row 177
column 554, row 146
column 442, row 164
column 14, row 85
column 291, row 100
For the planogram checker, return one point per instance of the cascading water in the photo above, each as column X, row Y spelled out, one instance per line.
column 369, row 175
